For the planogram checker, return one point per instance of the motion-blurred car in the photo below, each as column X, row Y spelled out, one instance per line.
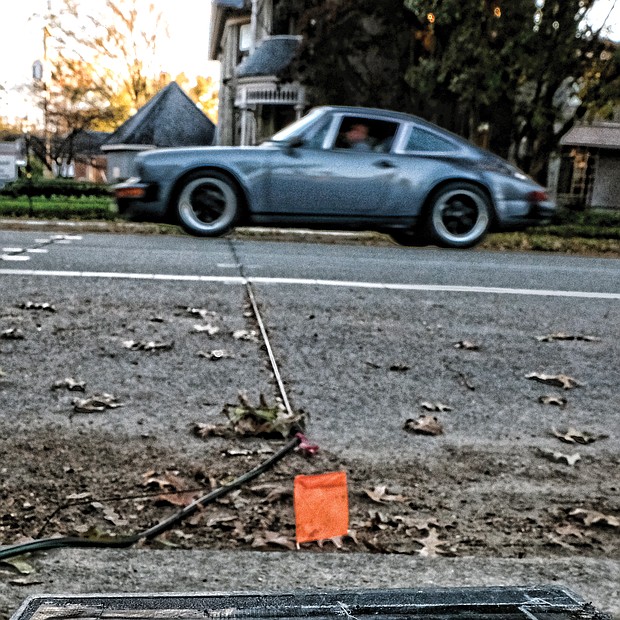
column 412, row 180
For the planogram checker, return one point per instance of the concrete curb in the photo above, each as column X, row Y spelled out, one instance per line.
column 144, row 570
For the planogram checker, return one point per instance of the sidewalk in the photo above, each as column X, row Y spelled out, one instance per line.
column 143, row 570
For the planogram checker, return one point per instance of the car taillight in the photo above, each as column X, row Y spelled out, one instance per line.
column 538, row 196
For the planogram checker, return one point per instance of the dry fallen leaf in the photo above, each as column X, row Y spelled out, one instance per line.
column 216, row 354
column 70, row 384
column 13, row 333
column 572, row 435
column 569, row 530
column 563, row 381
column 244, row 334
column 593, row 517
column 379, row 494
column 468, row 345
column 96, row 403
column 150, row 345
column 207, row 328
column 203, row 313
column 439, row 407
column 32, row 305
column 21, row 566
column 431, row 545
column 262, row 541
column 338, row 541
column 558, row 401
column 563, row 336
column 424, row 425
column 559, row 457
column 211, row 430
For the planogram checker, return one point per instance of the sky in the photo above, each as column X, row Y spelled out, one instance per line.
column 186, row 51
column 21, row 44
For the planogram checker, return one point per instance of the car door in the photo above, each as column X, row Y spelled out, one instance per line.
column 325, row 177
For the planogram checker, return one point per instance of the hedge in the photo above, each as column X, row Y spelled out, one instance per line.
column 47, row 188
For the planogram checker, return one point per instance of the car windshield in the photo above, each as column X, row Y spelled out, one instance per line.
column 298, row 127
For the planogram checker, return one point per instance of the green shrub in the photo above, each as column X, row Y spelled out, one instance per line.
column 49, row 188
column 604, row 218
column 87, row 208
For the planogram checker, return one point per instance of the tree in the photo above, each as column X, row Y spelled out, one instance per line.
column 100, row 68
column 353, row 52
column 511, row 66
column 204, row 93
column 512, row 75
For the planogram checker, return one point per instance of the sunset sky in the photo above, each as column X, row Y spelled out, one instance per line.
column 186, row 51
column 21, row 44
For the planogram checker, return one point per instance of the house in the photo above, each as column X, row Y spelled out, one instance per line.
column 12, row 154
column 256, row 97
column 169, row 119
column 78, row 156
column 589, row 172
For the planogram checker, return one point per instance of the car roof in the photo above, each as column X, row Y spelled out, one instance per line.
column 379, row 113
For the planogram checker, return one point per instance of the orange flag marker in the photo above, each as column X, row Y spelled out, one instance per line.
column 321, row 506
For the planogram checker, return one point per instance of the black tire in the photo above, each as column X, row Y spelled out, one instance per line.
column 207, row 204
column 412, row 238
column 459, row 216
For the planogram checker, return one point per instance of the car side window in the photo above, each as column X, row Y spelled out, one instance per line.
column 315, row 141
column 365, row 134
column 422, row 140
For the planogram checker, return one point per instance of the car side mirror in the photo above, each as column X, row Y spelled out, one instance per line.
column 294, row 143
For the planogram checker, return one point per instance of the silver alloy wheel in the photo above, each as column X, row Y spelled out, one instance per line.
column 207, row 205
column 460, row 217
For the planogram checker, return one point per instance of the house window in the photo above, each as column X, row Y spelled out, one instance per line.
column 245, row 37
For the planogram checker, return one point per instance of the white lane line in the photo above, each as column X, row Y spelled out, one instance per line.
column 443, row 288
column 14, row 257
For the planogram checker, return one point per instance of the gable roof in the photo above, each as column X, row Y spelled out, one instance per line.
column 598, row 135
column 271, row 57
column 170, row 118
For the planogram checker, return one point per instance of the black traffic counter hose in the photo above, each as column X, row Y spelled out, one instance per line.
column 128, row 541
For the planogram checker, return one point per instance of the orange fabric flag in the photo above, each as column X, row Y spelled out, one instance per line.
column 321, row 506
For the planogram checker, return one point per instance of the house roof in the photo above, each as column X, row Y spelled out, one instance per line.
column 170, row 118
column 235, row 4
column 597, row 135
column 271, row 57
column 220, row 11
column 86, row 142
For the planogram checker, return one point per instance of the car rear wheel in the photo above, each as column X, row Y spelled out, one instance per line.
column 459, row 216
column 207, row 204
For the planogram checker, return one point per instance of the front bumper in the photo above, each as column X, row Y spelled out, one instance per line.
column 135, row 196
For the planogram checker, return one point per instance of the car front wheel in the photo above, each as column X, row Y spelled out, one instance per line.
column 459, row 216
column 207, row 204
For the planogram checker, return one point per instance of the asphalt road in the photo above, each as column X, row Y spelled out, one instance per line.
column 363, row 336
column 358, row 311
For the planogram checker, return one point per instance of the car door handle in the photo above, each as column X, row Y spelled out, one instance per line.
column 384, row 163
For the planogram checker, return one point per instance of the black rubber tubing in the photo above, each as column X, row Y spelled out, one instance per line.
column 152, row 532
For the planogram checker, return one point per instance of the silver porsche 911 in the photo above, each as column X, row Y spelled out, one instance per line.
column 340, row 168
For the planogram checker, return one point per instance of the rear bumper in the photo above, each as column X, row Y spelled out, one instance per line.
column 541, row 211
column 520, row 214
